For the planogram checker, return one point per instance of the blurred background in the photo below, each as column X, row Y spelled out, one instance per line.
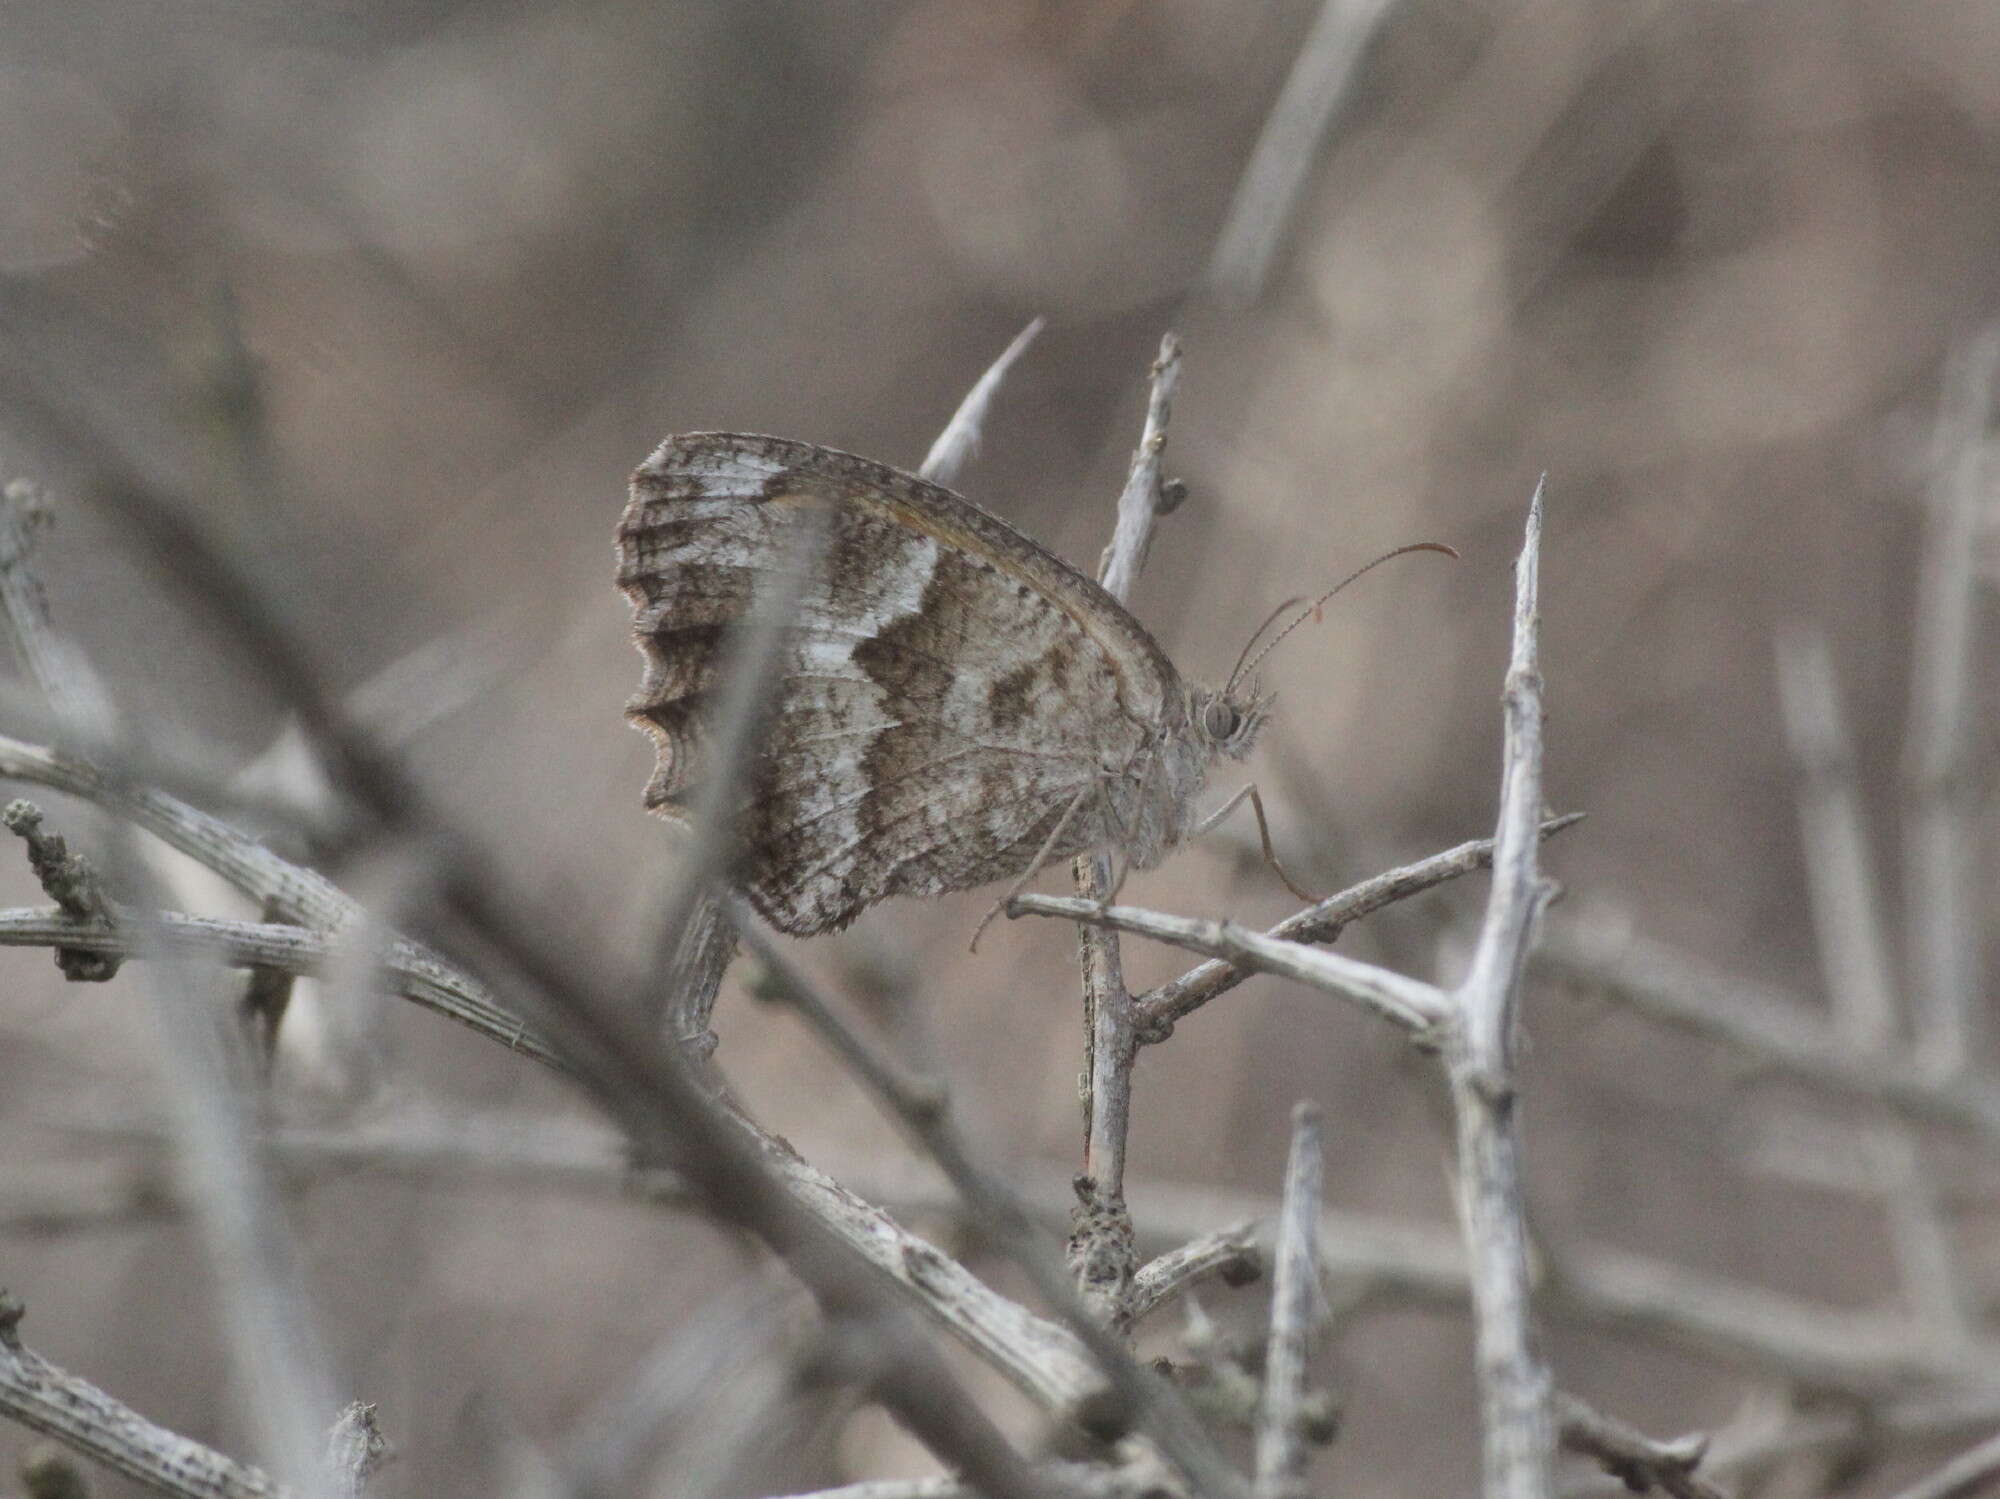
column 403, row 292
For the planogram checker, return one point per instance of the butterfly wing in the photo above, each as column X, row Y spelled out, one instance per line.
column 948, row 689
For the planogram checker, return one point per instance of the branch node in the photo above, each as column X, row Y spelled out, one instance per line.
column 71, row 883
column 1103, row 1252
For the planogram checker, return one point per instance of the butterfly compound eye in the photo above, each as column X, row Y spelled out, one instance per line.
column 1221, row 720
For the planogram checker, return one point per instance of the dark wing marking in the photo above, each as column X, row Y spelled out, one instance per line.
column 948, row 689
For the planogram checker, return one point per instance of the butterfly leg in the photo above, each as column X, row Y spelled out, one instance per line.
column 1249, row 794
column 1034, row 867
column 1121, row 864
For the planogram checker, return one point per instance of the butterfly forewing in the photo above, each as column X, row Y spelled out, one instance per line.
column 948, row 690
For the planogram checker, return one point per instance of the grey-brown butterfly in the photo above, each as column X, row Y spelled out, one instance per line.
column 954, row 704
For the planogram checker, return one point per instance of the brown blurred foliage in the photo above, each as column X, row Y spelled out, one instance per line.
column 404, row 291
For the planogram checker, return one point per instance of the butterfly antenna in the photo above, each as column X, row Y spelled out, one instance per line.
column 1244, row 669
column 1236, row 671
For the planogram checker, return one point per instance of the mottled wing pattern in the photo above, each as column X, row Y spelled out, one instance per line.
column 948, row 690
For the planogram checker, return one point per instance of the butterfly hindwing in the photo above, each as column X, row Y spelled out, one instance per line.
column 947, row 692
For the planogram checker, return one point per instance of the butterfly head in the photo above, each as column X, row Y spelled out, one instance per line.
column 1228, row 721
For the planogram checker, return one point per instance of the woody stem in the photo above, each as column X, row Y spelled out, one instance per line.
column 1101, row 1250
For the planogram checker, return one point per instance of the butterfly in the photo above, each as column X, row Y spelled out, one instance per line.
column 954, row 705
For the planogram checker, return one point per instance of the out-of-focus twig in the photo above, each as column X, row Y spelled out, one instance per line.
column 1840, row 876
column 1772, row 1030
column 959, row 440
column 1942, row 808
column 1633, row 1458
column 753, row 658
column 604, row 1450
column 265, row 1313
column 1295, row 1307
column 1059, row 1480
column 1267, row 195
column 1849, row 923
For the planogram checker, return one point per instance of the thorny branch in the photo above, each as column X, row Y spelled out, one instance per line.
column 923, row 1107
column 1472, row 1028
column 1281, row 1447
column 1866, row 1356
column 1101, row 1250
column 48, row 1399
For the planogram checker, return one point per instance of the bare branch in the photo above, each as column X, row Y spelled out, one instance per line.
column 1938, row 892
column 1268, row 194
column 302, row 895
column 959, row 440
column 407, row 969
column 1865, row 1355
column 923, row 1108
column 1100, row 1245
column 643, row 1085
column 1849, row 922
column 45, row 1398
column 75, row 695
column 1775, row 1031
column 273, row 1344
column 1410, row 1003
column 1840, row 876
column 1142, row 503
column 1295, row 1309
column 1841, row 1435
column 355, row 1448
column 71, row 883
column 1158, row 1009
column 48, row 1399
column 1230, row 1253
column 1514, row 1386
column 1632, row 1457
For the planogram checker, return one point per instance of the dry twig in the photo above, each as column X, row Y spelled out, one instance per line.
column 1295, row 1307
column 1101, row 1249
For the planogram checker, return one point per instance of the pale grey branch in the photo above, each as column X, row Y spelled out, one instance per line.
column 1230, row 1253
column 1158, row 1009
column 407, row 969
column 1267, row 195
column 959, row 441
column 1849, row 923
column 1942, row 806
column 923, row 1108
column 1840, row 875
column 1773, row 1030
column 1295, row 1306
column 48, row 1399
column 1478, row 1052
column 1100, row 1246
column 1635, row 1459
column 1410, row 1003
